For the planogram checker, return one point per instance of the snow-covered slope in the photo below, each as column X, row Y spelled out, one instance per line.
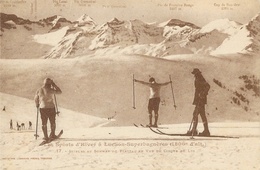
column 52, row 38
column 245, row 40
column 65, row 46
column 212, row 35
column 235, row 44
column 84, row 147
column 222, row 25
column 22, row 110
column 102, row 85
column 67, row 37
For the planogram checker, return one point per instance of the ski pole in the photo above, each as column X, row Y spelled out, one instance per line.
column 172, row 92
column 134, row 91
column 56, row 105
column 191, row 123
column 194, row 114
column 36, row 135
column 192, row 133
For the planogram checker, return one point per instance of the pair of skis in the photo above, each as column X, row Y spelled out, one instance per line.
column 160, row 132
column 50, row 140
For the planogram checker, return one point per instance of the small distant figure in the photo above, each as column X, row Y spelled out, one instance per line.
column 11, row 124
column 4, row 109
column 22, row 126
column 18, row 126
column 30, row 125
column 112, row 117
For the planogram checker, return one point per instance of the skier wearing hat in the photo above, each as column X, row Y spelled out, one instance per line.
column 200, row 99
column 154, row 99
column 44, row 101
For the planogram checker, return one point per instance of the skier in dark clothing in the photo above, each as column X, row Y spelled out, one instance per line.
column 44, row 101
column 154, row 99
column 30, row 125
column 11, row 124
column 200, row 99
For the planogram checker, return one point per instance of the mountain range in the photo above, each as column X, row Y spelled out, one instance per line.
column 56, row 37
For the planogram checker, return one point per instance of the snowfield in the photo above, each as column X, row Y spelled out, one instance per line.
column 236, row 43
column 52, row 38
column 86, row 144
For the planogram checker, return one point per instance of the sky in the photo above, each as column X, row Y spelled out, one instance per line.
column 199, row 12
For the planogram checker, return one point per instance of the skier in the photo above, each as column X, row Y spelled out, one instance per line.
column 11, row 124
column 154, row 99
column 30, row 125
column 18, row 126
column 200, row 99
column 44, row 102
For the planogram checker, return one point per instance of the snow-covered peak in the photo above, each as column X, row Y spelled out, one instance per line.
column 115, row 21
column 137, row 21
column 163, row 24
column 85, row 18
column 236, row 43
column 176, row 22
column 255, row 17
column 55, row 21
column 222, row 25
column 177, row 31
column 254, row 25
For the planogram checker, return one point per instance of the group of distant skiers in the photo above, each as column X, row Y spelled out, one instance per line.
column 45, row 103
column 20, row 126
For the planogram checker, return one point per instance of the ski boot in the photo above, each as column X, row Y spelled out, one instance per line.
column 45, row 139
column 52, row 136
column 204, row 133
column 149, row 125
column 155, row 125
column 189, row 133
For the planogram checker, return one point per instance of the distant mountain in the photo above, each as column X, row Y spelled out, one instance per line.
column 246, row 40
column 212, row 35
column 5, row 18
column 57, row 37
column 56, row 22
column 225, row 26
column 85, row 22
column 16, row 34
column 179, row 23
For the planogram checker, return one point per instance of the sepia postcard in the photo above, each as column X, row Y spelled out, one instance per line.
column 130, row 84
